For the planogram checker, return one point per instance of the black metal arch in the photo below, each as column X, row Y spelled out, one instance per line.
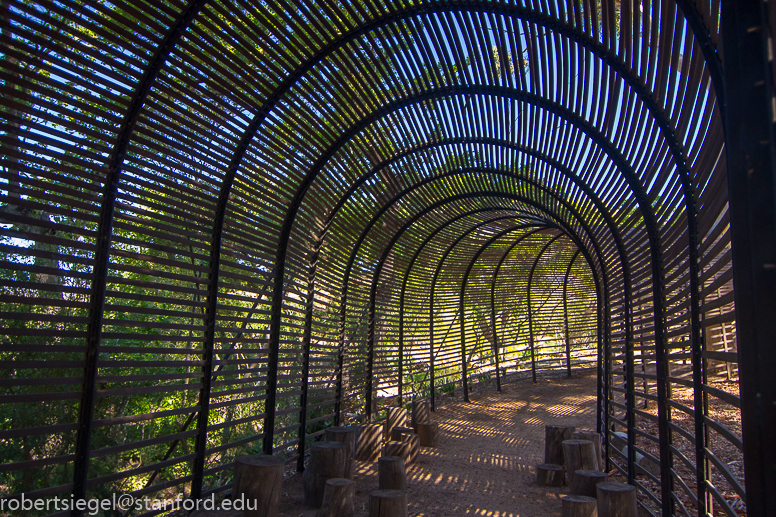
column 464, row 375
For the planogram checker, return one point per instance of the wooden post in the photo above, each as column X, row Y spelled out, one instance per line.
column 579, row 455
column 420, row 413
column 616, row 500
column 596, row 439
column 413, row 443
column 401, row 449
column 347, row 437
column 338, row 498
column 327, row 460
column 428, row 434
column 397, row 416
column 548, row 474
column 259, row 480
column 585, row 482
column 370, row 440
column 554, row 435
column 391, row 473
column 388, row 503
column 579, row 506
column 396, row 433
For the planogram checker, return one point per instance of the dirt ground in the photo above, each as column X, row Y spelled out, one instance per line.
column 484, row 464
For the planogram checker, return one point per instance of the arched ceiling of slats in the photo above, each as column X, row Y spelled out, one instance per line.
column 290, row 178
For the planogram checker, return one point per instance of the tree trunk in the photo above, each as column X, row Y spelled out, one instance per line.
column 391, row 473
column 327, row 461
column 258, row 479
column 548, row 474
column 420, row 413
column 585, row 482
column 397, row 417
column 579, row 455
column 596, row 439
column 579, row 506
column 338, row 498
column 616, row 500
column 370, row 440
column 347, row 437
column 388, row 503
column 554, row 435
column 428, row 434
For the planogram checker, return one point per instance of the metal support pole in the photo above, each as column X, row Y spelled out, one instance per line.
column 306, row 336
column 530, row 316
column 750, row 145
column 566, row 314
column 102, row 256
column 464, row 376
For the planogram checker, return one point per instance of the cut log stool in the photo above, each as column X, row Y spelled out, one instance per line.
column 548, row 474
column 428, row 434
column 616, row 500
column 413, row 442
column 578, row 455
column 327, row 460
column 420, row 413
column 388, row 503
column 370, row 440
column 391, row 473
column 259, row 478
column 596, row 439
column 579, row 506
column 401, row 449
column 554, row 435
column 346, row 436
column 396, row 432
column 397, row 417
column 585, row 482
column 338, row 498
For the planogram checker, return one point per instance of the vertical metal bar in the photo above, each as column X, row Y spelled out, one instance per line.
column 493, row 326
column 566, row 314
column 306, row 338
column 530, row 316
column 630, row 400
column 340, row 365
column 750, row 145
column 462, row 303
column 103, row 244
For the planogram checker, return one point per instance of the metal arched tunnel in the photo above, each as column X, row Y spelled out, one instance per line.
column 228, row 224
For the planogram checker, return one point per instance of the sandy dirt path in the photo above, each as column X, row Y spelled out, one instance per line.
column 484, row 464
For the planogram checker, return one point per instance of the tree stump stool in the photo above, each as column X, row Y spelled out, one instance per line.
column 338, row 498
column 579, row 455
column 391, row 473
column 616, row 500
column 370, row 440
column 554, row 435
column 259, row 479
column 327, row 460
column 388, row 503
column 413, row 441
column 428, row 434
column 585, row 482
column 579, row 506
column 596, row 439
column 421, row 413
column 401, row 449
column 548, row 474
column 396, row 433
column 397, row 417
column 347, row 437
